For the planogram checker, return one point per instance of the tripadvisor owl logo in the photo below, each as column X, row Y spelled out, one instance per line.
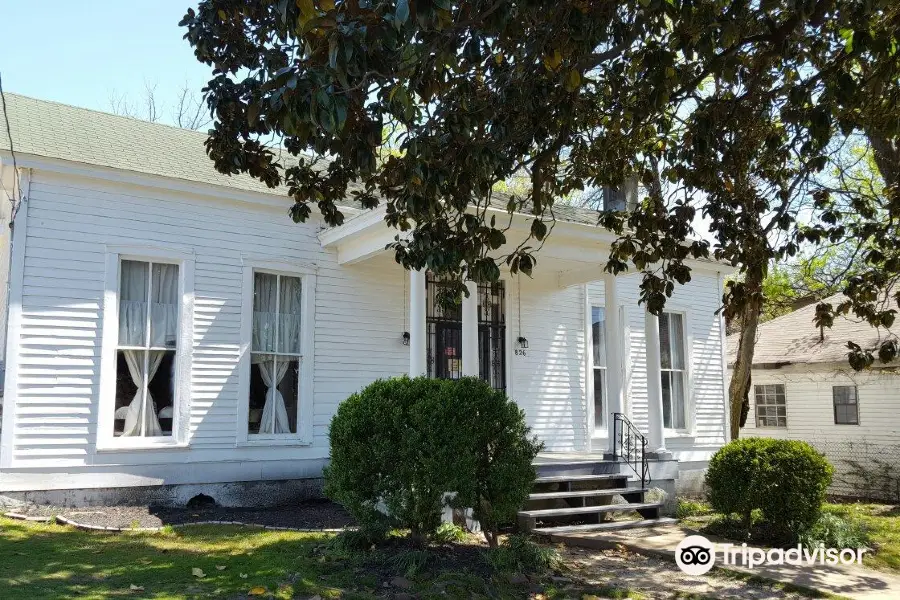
column 695, row 555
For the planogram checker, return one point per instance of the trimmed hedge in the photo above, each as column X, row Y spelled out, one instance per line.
column 400, row 444
column 785, row 479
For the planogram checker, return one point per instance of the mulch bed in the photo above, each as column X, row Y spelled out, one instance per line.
column 313, row 515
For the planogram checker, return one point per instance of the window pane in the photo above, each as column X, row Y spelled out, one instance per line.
column 133, row 290
column 136, row 413
column 164, row 307
column 673, row 400
column 161, row 393
column 665, row 344
column 599, row 398
column 676, row 337
column 264, row 310
column 598, row 331
column 127, row 393
column 273, row 395
column 290, row 305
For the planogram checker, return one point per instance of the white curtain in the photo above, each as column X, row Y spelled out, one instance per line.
column 274, row 399
column 133, row 303
column 289, row 310
column 133, row 294
column 264, row 312
column 164, row 306
column 136, row 416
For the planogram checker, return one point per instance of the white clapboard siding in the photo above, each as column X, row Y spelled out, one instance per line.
column 358, row 327
column 810, row 408
column 359, row 320
column 860, row 453
column 699, row 301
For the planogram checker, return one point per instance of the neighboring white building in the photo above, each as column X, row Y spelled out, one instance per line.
column 117, row 214
column 803, row 388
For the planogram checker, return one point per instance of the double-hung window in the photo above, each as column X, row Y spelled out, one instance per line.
column 846, row 405
column 598, row 340
column 771, row 405
column 275, row 354
column 147, row 349
column 673, row 369
column 276, row 373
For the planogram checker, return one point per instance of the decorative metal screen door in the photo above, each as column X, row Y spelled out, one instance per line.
column 492, row 334
column 444, row 339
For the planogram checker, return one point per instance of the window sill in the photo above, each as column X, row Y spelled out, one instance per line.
column 141, row 446
column 266, row 442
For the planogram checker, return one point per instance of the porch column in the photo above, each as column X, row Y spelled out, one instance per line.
column 470, row 367
column 417, row 349
column 656, row 439
column 614, row 353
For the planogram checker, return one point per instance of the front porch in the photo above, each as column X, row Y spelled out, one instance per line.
column 492, row 337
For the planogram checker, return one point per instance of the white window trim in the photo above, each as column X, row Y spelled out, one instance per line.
column 787, row 416
column 106, row 441
column 305, row 414
column 689, row 404
column 603, row 431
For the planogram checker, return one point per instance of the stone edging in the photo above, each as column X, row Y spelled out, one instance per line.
column 32, row 518
column 66, row 521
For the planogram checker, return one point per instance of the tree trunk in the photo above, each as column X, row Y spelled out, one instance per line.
column 887, row 157
column 739, row 388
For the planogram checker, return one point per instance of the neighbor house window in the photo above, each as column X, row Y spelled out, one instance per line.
column 674, row 375
column 275, row 354
column 598, row 339
column 771, row 409
column 146, row 349
column 846, row 405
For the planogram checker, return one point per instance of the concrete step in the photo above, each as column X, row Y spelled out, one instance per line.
column 587, row 510
column 580, row 478
column 585, row 493
column 557, row 534
column 549, row 467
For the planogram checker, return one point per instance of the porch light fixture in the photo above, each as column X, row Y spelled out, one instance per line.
column 522, row 342
column 405, row 338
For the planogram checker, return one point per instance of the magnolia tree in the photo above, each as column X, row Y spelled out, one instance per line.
column 724, row 110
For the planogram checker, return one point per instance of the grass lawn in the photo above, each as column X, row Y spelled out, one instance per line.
column 883, row 524
column 51, row 561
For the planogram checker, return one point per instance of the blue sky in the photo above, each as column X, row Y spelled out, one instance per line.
column 82, row 52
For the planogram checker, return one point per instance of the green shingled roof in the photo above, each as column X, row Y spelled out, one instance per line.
column 54, row 130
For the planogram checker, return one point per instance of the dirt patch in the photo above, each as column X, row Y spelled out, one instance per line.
column 315, row 515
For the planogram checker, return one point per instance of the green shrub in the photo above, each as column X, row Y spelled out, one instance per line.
column 519, row 554
column 449, row 532
column 691, row 508
column 785, row 479
column 833, row 531
column 399, row 445
column 495, row 473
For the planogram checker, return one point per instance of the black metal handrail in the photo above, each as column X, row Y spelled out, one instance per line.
column 630, row 446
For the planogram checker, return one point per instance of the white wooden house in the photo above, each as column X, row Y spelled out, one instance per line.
column 170, row 328
column 803, row 388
